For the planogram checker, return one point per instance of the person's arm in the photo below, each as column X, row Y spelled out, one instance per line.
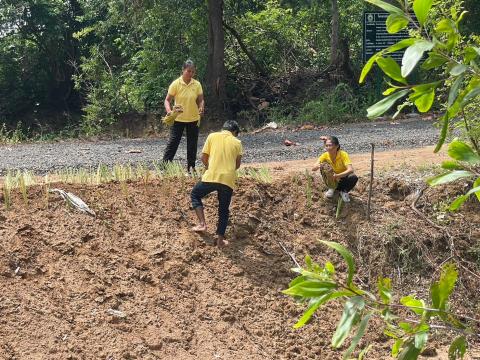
column 317, row 166
column 166, row 103
column 238, row 162
column 200, row 104
column 205, row 158
column 345, row 173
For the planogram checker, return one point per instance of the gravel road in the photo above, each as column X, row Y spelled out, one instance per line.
column 265, row 146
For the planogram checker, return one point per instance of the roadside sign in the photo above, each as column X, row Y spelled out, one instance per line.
column 376, row 36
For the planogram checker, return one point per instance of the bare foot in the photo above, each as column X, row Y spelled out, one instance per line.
column 199, row 228
column 221, row 242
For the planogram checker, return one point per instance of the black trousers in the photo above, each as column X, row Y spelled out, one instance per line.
column 176, row 133
column 347, row 183
column 224, row 195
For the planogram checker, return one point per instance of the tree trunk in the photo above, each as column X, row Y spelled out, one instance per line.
column 335, row 57
column 216, row 73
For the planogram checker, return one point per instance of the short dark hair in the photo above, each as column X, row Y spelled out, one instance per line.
column 232, row 126
column 334, row 141
column 188, row 63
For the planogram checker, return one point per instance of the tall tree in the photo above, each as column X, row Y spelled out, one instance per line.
column 335, row 55
column 216, row 73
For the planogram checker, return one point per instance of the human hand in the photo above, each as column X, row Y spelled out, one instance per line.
column 201, row 110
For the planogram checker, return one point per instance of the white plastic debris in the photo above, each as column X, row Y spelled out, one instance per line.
column 270, row 125
column 116, row 313
column 74, row 201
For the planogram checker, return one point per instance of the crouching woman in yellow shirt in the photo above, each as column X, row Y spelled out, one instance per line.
column 339, row 160
column 221, row 155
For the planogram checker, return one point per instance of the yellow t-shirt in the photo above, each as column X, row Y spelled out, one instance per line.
column 341, row 161
column 186, row 95
column 222, row 149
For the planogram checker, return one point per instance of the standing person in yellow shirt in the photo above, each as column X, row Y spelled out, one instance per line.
column 221, row 155
column 188, row 93
column 342, row 167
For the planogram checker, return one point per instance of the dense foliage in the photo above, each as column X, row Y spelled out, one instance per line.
column 86, row 64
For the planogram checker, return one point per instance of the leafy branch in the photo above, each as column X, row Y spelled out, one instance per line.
column 316, row 286
column 448, row 55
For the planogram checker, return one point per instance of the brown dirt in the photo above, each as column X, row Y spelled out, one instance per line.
column 64, row 274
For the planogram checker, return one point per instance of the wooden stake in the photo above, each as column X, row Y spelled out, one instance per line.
column 371, row 181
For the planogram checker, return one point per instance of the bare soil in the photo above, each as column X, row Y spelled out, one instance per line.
column 136, row 283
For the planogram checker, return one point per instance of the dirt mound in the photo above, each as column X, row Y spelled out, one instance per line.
column 135, row 283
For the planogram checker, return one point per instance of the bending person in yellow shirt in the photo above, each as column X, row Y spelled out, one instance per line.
column 345, row 179
column 221, row 155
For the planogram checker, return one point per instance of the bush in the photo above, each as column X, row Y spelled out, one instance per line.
column 342, row 104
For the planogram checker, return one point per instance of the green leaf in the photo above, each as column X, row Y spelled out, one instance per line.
column 441, row 290
column 461, row 17
column 445, row 26
column 458, row 348
column 407, row 327
column 347, row 256
column 470, row 94
column 458, row 69
column 470, row 54
column 396, row 347
column 460, row 151
column 329, row 267
column 409, row 352
column 396, row 22
column 443, row 133
column 352, row 307
column 386, row 6
column 384, row 289
column 400, row 108
column 389, row 91
column 391, row 68
column 297, row 280
column 358, row 336
column 421, row 9
column 314, row 305
column 364, row 352
column 433, row 61
column 382, row 106
column 461, row 199
column 421, row 339
column 413, row 54
column 457, row 202
column 368, row 66
column 448, row 177
column 402, row 44
column 452, row 165
column 413, row 304
column 423, row 96
column 308, row 262
column 310, row 288
column 452, row 96
column 476, row 184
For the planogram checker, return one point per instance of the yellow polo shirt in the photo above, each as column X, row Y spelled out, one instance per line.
column 341, row 161
column 186, row 95
column 222, row 149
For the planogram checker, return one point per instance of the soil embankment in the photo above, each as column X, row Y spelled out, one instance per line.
column 135, row 283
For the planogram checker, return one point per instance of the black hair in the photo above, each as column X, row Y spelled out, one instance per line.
column 334, row 141
column 188, row 63
column 232, row 126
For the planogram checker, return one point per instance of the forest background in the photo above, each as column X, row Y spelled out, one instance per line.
column 71, row 68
